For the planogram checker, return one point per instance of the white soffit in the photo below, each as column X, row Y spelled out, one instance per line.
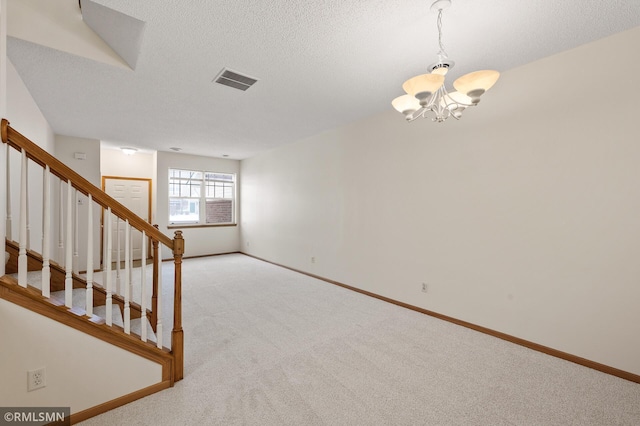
column 58, row 24
column 122, row 32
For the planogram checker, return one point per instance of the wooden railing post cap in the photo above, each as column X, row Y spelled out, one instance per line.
column 5, row 127
column 178, row 243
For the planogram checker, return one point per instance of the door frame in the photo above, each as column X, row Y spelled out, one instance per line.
column 102, row 227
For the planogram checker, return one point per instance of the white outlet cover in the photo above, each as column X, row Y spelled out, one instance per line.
column 36, row 379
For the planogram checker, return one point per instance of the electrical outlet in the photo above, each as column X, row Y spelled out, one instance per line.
column 424, row 287
column 36, row 379
column 313, row 259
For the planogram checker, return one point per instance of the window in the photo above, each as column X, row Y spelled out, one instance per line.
column 197, row 197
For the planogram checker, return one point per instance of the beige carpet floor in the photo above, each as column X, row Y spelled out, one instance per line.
column 267, row 346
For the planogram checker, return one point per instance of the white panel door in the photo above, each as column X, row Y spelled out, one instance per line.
column 134, row 195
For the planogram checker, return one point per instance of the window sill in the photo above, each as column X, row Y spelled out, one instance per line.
column 208, row 225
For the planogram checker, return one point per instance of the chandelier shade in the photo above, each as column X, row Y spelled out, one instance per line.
column 406, row 104
column 476, row 83
column 423, row 86
column 427, row 95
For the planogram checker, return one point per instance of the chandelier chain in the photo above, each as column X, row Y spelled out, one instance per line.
column 442, row 51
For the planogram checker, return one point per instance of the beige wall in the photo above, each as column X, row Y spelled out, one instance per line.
column 24, row 116
column 3, row 58
column 81, row 371
column 3, row 113
column 198, row 241
column 23, row 113
column 523, row 217
column 66, row 148
column 113, row 162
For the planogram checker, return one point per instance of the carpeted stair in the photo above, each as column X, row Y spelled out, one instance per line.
column 79, row 300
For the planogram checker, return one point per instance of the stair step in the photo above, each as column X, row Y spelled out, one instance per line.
column 137, row 329
column 98, row 278
column 116, row 314
column 79, row 297
column 34, row 278
column 79, row 301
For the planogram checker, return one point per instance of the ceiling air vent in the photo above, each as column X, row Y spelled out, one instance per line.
column 235, row 80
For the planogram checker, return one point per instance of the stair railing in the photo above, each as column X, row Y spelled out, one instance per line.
column 71, row 183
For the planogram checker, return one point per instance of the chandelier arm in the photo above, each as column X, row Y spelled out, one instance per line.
column 417, row 114
column 432, row 100
column 440, row 110
column 448, row 96
column 442, row 114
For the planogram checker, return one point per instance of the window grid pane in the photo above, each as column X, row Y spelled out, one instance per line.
column 185, row 196
column 219, row 176
column 219, row 189
column 184, row 210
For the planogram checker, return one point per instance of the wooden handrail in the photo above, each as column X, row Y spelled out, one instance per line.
column 18, row 141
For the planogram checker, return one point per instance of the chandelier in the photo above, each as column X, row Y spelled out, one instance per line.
column 426, row 94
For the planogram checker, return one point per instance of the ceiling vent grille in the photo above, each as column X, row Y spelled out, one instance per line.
column 235, row 80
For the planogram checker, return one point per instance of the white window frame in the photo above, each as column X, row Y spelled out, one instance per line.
column 226, row 183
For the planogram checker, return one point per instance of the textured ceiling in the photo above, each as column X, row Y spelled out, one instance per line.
column 121, row 32
column 320, row 63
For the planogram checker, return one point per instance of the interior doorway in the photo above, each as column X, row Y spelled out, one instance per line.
column 134, row 194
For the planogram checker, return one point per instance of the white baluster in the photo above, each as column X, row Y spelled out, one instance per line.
column 76, row 234
column 90, row 256
column 8, row 230
column 127, row 283
column 118, row 281
column 103, row 240
column 107, row 268
column 46, row 231
column 26, row 209
column 159, row 308
column 61, row 223
column 143, row 290
column 68, row 280
column 133, row 230
column 22, row 244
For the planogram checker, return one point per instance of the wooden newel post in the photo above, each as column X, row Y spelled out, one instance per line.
column 154, row 294
column 177, row 337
